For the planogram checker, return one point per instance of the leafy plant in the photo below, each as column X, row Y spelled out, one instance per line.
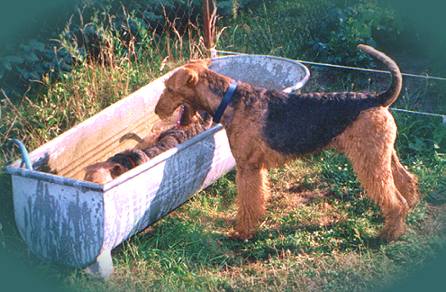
column 88, row 34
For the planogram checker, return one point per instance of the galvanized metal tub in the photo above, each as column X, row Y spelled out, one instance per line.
column 69, row 221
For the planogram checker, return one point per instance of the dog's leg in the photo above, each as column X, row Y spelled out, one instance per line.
column 252, row 194
column 406, row 182
column 375, row 174
column 369, row 145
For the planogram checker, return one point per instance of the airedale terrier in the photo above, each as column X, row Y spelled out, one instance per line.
column 149, row 147
column 183, row 116
column 266, row 128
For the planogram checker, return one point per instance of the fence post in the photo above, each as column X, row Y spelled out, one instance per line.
column 209, row 24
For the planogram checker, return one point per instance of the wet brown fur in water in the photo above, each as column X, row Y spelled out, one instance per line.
column 147, row 148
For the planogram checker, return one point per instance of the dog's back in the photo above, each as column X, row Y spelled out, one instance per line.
column 168, row 139
column 299, row 124
column 303, row 123
column 177, row 135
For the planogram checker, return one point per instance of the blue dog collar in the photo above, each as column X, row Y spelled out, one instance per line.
column 227, row 98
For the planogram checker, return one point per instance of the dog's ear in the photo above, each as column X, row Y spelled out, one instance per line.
column 185, row 77
column 192, row 76
column 117, row 170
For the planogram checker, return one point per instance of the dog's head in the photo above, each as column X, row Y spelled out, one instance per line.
column 181, row 89
column 103, row 172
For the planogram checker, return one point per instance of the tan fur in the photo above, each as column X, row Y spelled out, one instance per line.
column 368, row 143
column 103, row 172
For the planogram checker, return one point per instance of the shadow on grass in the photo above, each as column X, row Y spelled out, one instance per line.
column 174, row 239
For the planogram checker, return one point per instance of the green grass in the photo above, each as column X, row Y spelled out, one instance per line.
column 320, row 231
column 319, row 234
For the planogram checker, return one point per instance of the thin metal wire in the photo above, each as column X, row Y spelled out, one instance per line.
column 443, row 117
column 348, row 67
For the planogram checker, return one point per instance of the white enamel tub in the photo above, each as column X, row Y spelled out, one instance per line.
column 72, row 222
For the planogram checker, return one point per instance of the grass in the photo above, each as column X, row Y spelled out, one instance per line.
column 320, row 231
column 319, row 234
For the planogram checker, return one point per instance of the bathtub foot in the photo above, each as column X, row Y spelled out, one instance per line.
column 103, row 267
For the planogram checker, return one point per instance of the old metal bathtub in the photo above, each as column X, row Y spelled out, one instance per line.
column 77, row 223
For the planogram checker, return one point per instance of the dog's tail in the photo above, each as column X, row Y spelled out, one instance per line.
column 131, row 136
column 390, row 95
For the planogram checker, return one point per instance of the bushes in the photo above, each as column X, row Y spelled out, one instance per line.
column 132, row 26
column 321, row 30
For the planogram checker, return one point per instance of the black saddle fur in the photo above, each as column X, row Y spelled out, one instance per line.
column 303, row 123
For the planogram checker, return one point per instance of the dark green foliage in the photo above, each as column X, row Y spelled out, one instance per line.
column 421, row 135
column 36, row 59
column 344, row 25
column 85, row 36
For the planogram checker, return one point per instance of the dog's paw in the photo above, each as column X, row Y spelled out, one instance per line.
column 392, row 233
column 237, row 235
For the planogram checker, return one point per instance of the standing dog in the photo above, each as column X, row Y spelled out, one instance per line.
column 266, row 128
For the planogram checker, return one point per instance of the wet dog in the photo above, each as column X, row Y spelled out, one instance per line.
column 147, row 148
